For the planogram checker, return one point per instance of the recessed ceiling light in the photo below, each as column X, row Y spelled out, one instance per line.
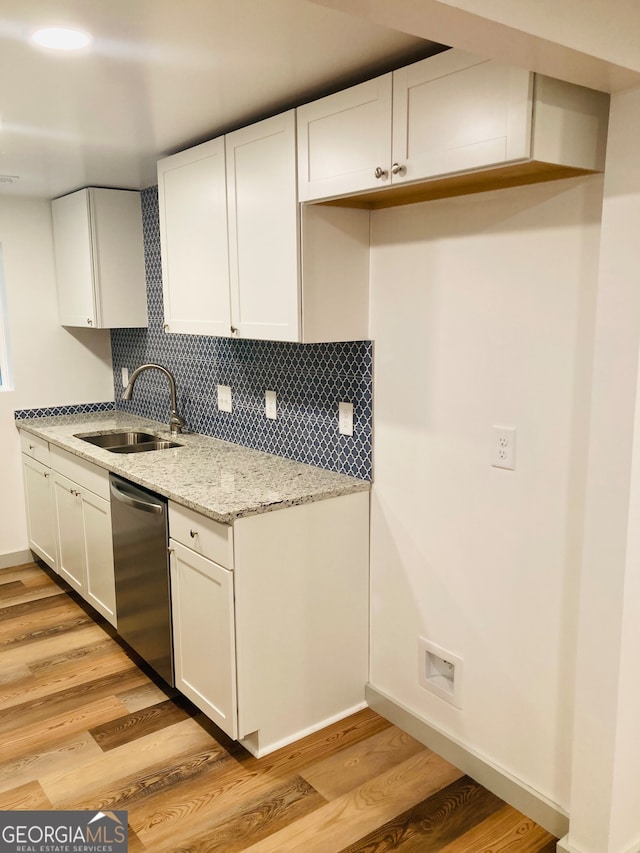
column 60, row 38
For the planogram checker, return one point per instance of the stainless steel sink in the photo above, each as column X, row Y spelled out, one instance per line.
column 127, row 442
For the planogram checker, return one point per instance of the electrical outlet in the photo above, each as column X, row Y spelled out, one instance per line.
column 345, row 418
column 224, row 399
column 503, row 448
column 125, row 377
column 270, row 408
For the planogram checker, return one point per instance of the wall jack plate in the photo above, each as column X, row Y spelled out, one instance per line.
column 440, row 672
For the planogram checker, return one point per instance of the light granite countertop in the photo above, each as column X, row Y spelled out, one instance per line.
column 219, row 479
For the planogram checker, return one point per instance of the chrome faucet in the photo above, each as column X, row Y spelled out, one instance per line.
column 176, row 422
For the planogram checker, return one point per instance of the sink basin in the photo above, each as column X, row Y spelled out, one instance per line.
column 127, row 442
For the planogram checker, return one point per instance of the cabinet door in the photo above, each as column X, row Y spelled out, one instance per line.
column 100, row 589
column 71, row 552
column 343, row 139
column 204, row 635
column 74, row 259
column 40, row 516
column 263, row 229
column 454, row 112
column 193, row 236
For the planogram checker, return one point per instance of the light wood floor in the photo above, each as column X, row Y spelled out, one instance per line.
column 82, row 726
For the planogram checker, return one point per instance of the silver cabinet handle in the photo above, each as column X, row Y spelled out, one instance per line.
column 397, row 169
column 381, row 173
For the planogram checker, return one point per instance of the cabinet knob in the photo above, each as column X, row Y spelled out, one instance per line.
column 89, row 321
column 381, row 173
column 234, row 331
column 397, row 169
column 75, row 492
column 193, row 533
column 165, row 328
column 46, row 475
column 32, row 447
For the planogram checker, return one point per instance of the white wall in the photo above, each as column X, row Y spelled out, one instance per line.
column 483, row 313
column 52, row 366
column 606, row 789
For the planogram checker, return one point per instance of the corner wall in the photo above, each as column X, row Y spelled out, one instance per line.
column 52, row 366
column 483, row 313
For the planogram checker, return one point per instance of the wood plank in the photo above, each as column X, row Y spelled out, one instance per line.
column 64, row 678
column 9, row 589
column 145, row 695
column 291, row 759
column 30, row 609
column 347, row 818
column 26, row 739
column 284, row 804
column 68, row 754
column 353, row 765
column 433, row 823
column 29, row 796
column 152, row 753
column 83, row 654
column 127, row 728
column 42, row 708
column 33, row 653
column 506, row 831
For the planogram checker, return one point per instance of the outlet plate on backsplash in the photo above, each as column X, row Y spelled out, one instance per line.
column 311, row 380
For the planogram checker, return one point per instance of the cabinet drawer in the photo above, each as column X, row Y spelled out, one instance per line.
column 85, row 474
column 36, row 448
column 203, row 535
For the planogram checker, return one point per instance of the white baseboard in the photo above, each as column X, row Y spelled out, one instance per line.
column 510, row 789
column 17, row 558
column 563, row 846
column 252, row 742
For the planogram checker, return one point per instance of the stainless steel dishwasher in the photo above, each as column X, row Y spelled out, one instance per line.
column 141, row 563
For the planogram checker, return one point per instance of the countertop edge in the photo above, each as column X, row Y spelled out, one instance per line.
column 342, row 484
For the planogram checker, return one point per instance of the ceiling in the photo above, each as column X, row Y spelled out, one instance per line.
column 162, row 75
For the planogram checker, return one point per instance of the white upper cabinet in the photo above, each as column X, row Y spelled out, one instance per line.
column 454, row 112
column 263, row 229
column 451, row 114
column 193, row 233
column 236, row 260
column 99, row 257
column 344, row 141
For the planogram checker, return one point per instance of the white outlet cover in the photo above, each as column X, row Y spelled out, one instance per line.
column 224, row 398
column 503, row 447
column 345, row 418
column 270, row 406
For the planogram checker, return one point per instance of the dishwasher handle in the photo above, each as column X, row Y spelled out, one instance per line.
column 132, row 497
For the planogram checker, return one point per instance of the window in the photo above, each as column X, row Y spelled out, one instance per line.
column 5, row 374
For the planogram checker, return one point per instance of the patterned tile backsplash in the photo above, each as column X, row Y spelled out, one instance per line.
column 309, row 380
column 53, row 411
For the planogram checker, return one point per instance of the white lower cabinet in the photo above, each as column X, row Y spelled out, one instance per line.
column 270, row 617
column 39, row 501
column 204, row 643
column 83, row 528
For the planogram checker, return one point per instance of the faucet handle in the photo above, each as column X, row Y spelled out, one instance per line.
column 176, row 423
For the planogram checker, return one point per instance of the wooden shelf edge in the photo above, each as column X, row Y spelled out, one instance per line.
column 515, row 175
